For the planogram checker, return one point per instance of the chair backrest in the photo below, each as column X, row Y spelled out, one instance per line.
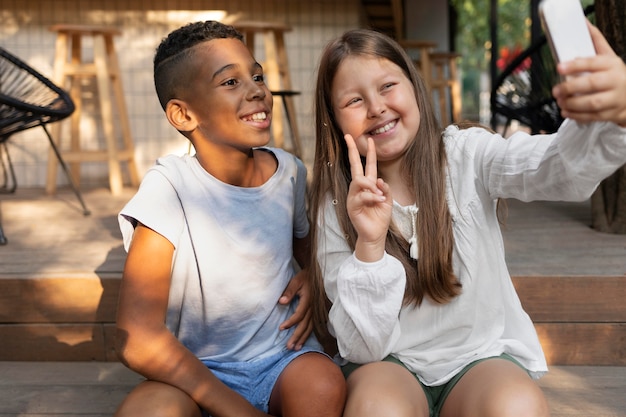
column 27, row 98
column 523, row 91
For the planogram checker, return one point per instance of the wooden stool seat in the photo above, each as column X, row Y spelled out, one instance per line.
column 69, row 67
column 276, row 69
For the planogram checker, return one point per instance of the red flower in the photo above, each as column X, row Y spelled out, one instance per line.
column 507, row 56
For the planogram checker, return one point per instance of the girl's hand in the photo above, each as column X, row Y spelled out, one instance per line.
column 369, row 203
column 596, row 87
column 301, row 317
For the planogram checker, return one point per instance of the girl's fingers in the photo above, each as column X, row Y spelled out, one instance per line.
column 366, row 181
column 371, row 171
column 599, row 41
column 353, row 156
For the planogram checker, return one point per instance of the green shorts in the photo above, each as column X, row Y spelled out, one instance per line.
column 435, row 395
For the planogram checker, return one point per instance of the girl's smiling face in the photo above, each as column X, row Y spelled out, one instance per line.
column 372, row 97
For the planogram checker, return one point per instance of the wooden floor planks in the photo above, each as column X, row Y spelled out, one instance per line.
column 95, row 389
column 49, row 238
column 59, row 389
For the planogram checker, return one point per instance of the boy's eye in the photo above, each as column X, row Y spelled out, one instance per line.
column 259, row 78
column 230, row 82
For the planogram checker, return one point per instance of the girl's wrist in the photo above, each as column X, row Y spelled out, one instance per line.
column 369, row 251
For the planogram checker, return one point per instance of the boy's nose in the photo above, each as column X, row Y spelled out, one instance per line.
column 256, row 92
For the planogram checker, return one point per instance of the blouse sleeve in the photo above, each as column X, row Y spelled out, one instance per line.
column 366, row 297
column 567, row 165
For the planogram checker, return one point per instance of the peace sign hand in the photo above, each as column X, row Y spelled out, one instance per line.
column 369, row 203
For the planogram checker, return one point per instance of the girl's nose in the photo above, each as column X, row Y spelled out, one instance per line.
column 376, row 107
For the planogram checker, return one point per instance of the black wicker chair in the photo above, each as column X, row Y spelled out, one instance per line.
column 27, row 100
column 523, row 91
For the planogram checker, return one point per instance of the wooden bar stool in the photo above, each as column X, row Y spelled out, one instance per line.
column 276, row 68
column 70, row 67
column 445, row 86
column 422, row 61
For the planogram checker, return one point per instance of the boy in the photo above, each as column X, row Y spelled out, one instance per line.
column 205, row 311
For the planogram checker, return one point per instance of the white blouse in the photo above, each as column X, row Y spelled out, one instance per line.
column 487, row 319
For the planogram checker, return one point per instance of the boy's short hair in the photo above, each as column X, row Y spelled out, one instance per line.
column 172, row 55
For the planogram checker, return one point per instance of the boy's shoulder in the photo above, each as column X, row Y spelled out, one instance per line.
column 285, row 159
column 175, row 168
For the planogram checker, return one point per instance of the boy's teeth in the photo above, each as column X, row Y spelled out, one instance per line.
column 257, row 116
column 384, row 128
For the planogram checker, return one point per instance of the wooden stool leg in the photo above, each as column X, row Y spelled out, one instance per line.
column 455, row 92
column 77, row 97
column 442, row 94
column 290, row 108
column 60, row 79
column 106, row 108
column 274, row 83
column 128, row 151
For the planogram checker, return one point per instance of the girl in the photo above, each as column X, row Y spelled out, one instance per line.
column 408, row 246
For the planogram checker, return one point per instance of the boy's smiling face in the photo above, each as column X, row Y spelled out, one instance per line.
column 226, row 96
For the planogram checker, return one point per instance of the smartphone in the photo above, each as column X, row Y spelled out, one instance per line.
column 565, row 26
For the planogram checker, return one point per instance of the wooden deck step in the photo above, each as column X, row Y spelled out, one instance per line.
column 95, row 389
column 60, row 275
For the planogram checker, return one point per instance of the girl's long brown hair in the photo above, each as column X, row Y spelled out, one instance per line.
column 424, row 166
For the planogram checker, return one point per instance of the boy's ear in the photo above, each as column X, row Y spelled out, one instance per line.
column 180, row 116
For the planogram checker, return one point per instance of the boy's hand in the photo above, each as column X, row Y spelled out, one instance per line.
column 597, row 89
column 301, row 317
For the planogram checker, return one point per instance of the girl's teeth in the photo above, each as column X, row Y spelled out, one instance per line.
column 384, row 129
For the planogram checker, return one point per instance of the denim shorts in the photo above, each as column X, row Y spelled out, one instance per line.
column 436, row 395
column 255, row 379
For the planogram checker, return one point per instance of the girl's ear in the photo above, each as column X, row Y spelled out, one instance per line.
column 180, row 116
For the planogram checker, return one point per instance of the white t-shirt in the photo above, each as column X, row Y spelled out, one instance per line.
column 437, row 340
column 233, row 253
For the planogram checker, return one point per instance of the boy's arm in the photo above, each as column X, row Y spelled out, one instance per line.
column 299, row 285
column 597, row 92
column 145, row 344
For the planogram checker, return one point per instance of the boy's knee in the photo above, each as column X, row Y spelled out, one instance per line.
column 155, row 399
column 314, row 385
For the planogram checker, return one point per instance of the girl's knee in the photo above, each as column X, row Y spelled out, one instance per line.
column 521, row 400
column 384, row 389
column 496, row 388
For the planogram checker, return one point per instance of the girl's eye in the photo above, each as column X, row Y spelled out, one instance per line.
column 353, row 101
column 388, row 86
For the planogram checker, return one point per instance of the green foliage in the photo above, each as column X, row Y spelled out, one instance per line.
column 473, row 36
